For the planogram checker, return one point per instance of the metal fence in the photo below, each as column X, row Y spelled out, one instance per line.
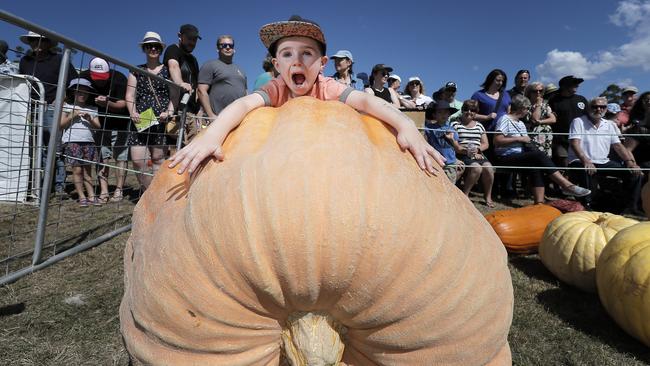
column 59, row 194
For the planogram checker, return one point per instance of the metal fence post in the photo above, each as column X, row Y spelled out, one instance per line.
column 51, row 155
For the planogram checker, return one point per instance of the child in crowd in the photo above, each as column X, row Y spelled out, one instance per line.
column 78, row 121
column 443, row 137
column 298, row 48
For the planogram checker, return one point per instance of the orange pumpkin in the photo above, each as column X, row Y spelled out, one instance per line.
column 316, row 240
column 521, row 229
column 645, row 195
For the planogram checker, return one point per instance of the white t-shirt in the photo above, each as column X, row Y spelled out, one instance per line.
column 421, row 100
column 80, row 129
column 595, row 142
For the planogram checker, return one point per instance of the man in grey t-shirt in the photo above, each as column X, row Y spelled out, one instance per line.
column 221, row 81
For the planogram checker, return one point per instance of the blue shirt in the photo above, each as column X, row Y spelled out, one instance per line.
column 435, row 135
column 486, row 106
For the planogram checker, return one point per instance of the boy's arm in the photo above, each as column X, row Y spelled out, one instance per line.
column 408, row 136
column 209, row 141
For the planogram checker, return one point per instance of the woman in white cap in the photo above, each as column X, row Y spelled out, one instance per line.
column 150, row 106
column 414, row 97
column 79, row 121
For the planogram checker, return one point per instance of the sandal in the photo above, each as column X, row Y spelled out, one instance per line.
column 83, row 202
column 103, row 198
column 490, row 204
column 95, row 201
column 117, row 197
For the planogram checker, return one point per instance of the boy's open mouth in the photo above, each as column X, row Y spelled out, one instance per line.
column 298, row 79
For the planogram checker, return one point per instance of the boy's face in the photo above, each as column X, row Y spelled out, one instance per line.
column 442, row 115
column 298, row 60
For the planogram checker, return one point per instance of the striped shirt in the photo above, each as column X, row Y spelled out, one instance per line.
column 469, row 135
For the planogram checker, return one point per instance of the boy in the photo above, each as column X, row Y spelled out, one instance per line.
column 444, row 138
column 298, row 48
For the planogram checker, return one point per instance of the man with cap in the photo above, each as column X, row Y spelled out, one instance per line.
column 109, row 97
column 521, row 82
column 221, row 81
column 42, row 62
column 567, row 106
column 443, row 137
column 343, row 62
column 628, row 94
column 182, row 65
column 6, row 66
column 378, row 80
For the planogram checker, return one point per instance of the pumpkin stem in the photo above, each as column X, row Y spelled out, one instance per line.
column 313, row 339
column 601, row 220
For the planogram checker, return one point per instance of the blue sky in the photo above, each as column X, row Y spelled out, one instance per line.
column 601, row 40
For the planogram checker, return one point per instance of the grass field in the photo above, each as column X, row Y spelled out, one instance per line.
column 67, row 314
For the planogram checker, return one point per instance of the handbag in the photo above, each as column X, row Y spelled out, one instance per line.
column 527, row 146
column 171, row 127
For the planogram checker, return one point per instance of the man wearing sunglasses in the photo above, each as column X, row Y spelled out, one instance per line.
column 221, row 81
column 591, row 138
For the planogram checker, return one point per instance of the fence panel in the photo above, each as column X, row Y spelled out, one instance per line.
column 72, row 166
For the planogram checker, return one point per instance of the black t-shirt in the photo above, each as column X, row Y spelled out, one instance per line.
column 114, row 89
column 567, row 109
column 189, row 70
column 47, row 71
column 384, row 94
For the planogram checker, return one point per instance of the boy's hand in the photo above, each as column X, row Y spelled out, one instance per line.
column 425, row 155
column 193, row 154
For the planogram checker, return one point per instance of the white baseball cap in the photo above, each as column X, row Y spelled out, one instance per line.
column 99, row 69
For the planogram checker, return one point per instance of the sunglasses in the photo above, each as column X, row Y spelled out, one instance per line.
column 414, row 82
column 222, row 46
column 152, row 47
column 523, row 72
column 598, row 106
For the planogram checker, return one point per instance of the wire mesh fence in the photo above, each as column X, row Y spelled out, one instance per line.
column 73, row 161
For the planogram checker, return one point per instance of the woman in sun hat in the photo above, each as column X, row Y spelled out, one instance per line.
column 144, row 95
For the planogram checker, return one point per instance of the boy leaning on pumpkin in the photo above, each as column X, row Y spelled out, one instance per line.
column 298, row 48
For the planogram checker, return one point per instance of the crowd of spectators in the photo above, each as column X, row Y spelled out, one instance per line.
column 545, row 136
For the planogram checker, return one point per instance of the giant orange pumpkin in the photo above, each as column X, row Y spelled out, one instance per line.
column 318, row 241
column 521, row 229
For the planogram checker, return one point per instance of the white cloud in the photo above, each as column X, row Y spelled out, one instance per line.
column 632, row 14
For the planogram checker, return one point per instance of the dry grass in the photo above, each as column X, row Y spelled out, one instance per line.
column 553, row 324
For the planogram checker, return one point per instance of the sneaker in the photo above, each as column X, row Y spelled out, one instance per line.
column 576, row 191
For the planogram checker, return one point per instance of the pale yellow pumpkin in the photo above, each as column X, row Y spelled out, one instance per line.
column 317, row 237
column 572, row 243
column 623, row 275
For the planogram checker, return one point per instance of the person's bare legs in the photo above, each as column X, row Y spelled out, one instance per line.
column 558, row 178
column 102, row 175
column 88, row 181
column 139, row 158
column 120, row 175
column 487, row 179
column 472, row 176
column 158, row 155
column 78, row 181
